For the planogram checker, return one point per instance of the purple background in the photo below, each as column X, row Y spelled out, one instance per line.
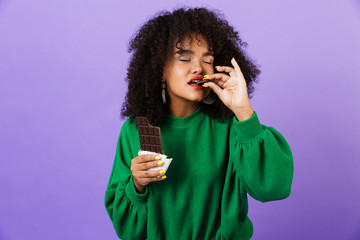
column 62, row 70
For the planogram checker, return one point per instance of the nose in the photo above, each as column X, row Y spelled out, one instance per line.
column 197, row 68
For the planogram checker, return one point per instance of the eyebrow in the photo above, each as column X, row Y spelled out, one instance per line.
column 186, row 51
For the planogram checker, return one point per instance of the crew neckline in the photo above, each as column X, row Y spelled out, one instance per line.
column 183, row 121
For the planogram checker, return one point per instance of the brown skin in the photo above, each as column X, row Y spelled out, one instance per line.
column 180, row 67
column 232, row 90
column 141, row 176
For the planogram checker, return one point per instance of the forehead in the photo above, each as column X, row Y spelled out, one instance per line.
column 191, row 41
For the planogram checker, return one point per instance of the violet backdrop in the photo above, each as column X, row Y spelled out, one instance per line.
column 62, row 70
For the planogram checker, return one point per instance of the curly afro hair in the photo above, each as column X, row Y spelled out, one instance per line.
column 153, row 44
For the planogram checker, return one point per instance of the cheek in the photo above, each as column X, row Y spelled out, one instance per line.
column 179, row 72
column 210, row 69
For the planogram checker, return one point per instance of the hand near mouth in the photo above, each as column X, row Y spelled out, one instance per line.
column 231, row 89
column 201, row 82
column 198, row 80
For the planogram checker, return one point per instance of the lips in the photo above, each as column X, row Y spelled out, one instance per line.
column 195, row 86
column 195, row 80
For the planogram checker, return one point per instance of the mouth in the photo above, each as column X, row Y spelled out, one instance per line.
column 197, row 81
column 195, row 86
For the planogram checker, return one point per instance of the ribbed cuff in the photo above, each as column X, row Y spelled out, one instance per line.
column 247, row 129
column 134, row 196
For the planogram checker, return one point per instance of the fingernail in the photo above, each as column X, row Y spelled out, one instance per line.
column 160, row 162
column 162, row 171
column 157, row 157
column 163, row 177
column 205, row 76
column 217, row 66
column 205, row 85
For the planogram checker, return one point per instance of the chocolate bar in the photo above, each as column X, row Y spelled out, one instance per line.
column 201, row 82
column 150, row 136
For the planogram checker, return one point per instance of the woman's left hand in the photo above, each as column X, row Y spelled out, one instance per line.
column 232, row 90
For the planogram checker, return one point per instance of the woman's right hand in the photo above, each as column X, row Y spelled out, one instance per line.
column 141, row 175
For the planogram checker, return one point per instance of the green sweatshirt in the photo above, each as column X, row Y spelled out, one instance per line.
column 215, row 165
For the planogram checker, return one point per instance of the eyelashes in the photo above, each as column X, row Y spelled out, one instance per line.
column 185, row 60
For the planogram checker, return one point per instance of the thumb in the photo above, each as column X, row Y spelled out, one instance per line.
column 215, row 88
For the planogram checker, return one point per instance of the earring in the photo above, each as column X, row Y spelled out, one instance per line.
column 163, row 93
column 210, row 99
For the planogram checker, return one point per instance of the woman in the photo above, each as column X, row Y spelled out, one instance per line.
column 221, row 151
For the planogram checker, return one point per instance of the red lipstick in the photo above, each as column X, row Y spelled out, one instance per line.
column 193, row 79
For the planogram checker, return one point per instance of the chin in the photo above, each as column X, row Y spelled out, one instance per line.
column 197, row 99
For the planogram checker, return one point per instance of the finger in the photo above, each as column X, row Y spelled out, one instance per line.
column 229, row 70
column 146, row 181
column 219, row 78
column 151, row 173
column 237, row 67
column 235, row 64
column 215, row 88
column 146, row 158
column 157, row 179
column 147, row 165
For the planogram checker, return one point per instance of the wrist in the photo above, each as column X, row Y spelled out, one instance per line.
column 243, row 114
column 139, row 188
column 133, row 195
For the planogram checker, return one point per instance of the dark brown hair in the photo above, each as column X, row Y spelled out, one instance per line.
column 153, row 44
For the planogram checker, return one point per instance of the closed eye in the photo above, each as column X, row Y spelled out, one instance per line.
column 186, row 60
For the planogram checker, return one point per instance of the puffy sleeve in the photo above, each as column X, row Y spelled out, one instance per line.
column 127, row 209
column 262, row 159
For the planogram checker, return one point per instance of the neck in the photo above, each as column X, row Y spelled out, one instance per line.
column 182, row 109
